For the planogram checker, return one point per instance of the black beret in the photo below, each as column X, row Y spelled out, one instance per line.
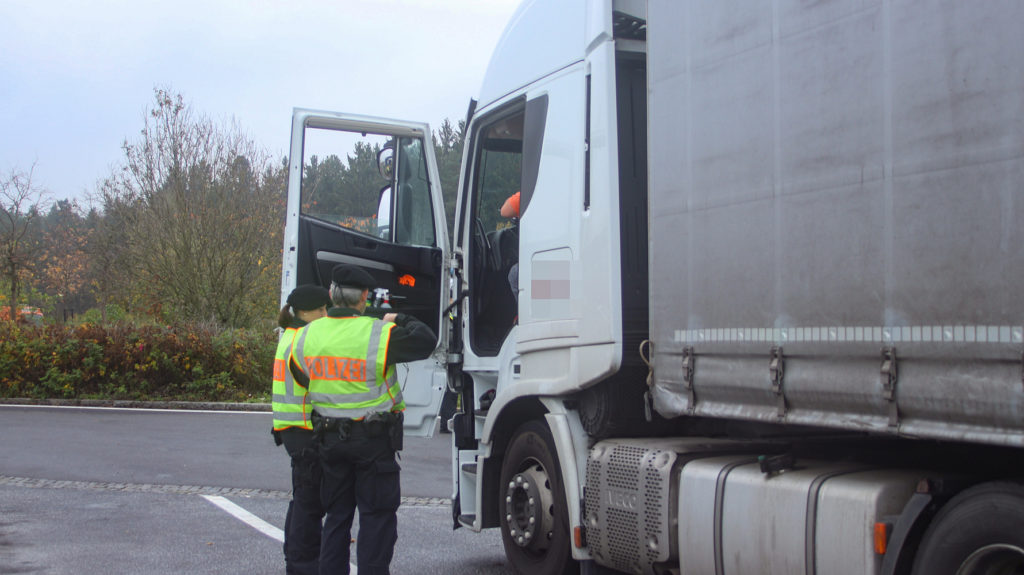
column 309, row 297
column 352, row 276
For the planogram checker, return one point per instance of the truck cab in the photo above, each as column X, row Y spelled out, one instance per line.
column 561, row 123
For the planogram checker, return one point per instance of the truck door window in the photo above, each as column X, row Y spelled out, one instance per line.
column 414, row 215
column 495, row 239
column 344, row 184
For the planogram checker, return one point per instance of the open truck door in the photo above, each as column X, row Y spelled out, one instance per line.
column 366, row 192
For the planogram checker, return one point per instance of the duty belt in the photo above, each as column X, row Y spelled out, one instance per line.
column 373, row 425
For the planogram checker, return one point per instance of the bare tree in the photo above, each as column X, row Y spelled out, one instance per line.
column 110, row 273
column 205, row 231
column 20, row 201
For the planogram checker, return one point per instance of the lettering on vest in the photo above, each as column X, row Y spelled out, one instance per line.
column 336, row 368
column 279, row 370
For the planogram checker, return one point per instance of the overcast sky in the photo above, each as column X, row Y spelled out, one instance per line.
column 76, row 76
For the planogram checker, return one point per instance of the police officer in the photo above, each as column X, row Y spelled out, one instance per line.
column 293, row 426
column 349, row 360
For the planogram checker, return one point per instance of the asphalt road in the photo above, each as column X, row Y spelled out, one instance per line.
column 85, row 490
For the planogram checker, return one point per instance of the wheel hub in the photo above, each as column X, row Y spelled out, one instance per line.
column 529, row 504
column 997, row 559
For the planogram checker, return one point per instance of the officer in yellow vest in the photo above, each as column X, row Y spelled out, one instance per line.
column 293, row 426
column 349, row 361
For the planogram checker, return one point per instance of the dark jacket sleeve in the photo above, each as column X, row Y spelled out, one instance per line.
column 297, row 374
column 411, row 340
column 301, row 378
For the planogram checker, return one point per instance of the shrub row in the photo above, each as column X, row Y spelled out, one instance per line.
column 123, row 361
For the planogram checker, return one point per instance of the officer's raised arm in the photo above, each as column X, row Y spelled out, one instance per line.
column 411, row 340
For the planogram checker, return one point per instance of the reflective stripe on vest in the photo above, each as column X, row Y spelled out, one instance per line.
column 346, row 361
column 288, row 399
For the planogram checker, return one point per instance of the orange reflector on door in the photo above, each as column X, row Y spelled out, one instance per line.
column 882, row 537
column 577, row 537
column 407, row 280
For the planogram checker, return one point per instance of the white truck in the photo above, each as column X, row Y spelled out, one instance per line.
column 756, row 311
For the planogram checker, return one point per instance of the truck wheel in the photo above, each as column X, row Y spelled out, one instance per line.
column 534, row 515
column 979, row 532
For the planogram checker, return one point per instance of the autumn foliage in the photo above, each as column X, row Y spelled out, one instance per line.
column 121, row 361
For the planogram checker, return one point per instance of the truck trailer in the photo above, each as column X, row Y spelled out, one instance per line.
column 754, row 310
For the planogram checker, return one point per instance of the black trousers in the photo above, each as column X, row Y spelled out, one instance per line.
column 302, row 524
column 360, row 472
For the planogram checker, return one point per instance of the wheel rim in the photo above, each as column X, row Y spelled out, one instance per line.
column 998, row 559
column 529, row 505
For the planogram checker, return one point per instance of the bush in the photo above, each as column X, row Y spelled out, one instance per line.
column 115, row 313
column 141, row 362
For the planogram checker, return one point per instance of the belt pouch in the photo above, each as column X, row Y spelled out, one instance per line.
column 396, row 434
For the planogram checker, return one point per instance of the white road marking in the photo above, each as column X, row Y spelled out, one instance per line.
column 255, row 522
column 246, row 517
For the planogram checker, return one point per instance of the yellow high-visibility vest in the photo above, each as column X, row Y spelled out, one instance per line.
column 345, row 359
column 291, row 409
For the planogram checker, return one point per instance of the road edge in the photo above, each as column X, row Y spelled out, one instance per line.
column 121, row 403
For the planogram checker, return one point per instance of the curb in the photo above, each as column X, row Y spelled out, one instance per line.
column 193, row 405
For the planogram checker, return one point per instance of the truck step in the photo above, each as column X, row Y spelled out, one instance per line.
column 469, row 468
column 467, row 520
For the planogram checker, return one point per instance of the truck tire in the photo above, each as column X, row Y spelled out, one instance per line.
column 615, row 408
column 534, row 514
column 979, row 532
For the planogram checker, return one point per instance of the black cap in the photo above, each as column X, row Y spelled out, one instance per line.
column 352, row 276
column 308, row 297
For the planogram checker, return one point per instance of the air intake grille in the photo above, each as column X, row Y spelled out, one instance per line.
column 626, row 505
column 623, row 466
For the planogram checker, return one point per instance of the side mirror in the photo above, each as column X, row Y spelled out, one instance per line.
column 386, row 162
